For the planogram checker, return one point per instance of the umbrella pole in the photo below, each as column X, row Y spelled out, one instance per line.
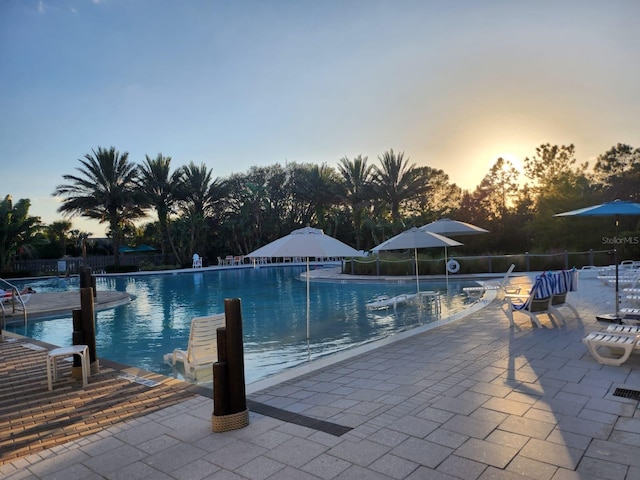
column 615, row 259
column 415, row 256
column 446, row 270
column 616, row 316
column 308, row 303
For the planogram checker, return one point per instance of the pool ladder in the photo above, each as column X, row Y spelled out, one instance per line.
column 16, row 302
column 432, row 301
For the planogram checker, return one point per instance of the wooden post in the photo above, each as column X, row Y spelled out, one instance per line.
column 235, row 355
column 221, row 338
column 220, row 392
column 221, row 376
column 89, row 326
column 230, row 403
column 85, row 277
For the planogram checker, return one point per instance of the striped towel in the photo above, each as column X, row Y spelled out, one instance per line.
column 573, row 275
column 542, row 288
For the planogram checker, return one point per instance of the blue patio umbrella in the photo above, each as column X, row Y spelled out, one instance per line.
column 609, row 209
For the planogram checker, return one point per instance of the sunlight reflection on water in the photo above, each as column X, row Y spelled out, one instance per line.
column 273, row 303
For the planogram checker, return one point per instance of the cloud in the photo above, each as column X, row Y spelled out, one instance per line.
column 41, row 7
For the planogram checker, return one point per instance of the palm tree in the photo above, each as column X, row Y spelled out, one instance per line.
column 58, row 231
column 162, row 190
column 314, row 191
column 396, row 181
column 199, row 195
column 17, row 229
column 356, row 191
column 106, row 190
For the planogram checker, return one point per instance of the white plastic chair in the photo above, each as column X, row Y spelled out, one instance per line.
column 52, row 356
column 202, row 349
column 502, row 285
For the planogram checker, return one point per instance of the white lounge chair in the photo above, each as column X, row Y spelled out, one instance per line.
column 632, row 295
column 589, row 271
column 502, row 285
column 537, row 301
column 202, row 349
column 197, row 261
column 384, row 302
column 626, row 280
column 630, row 313
column 17, row 298
column 563, row 282
column 626, row 329
column 614, row 342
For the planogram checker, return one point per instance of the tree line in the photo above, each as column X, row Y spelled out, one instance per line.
column 360, row 202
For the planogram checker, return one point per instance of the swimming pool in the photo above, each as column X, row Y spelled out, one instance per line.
column 273, row 302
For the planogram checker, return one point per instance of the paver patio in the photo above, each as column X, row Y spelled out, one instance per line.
column 473, row 399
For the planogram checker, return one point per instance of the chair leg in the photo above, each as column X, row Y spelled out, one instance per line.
column 533, row 318
column 593, row 349
column 556, row 314
column 49, row 374
column 509, row 313
column 84, row 362
column 573, row 309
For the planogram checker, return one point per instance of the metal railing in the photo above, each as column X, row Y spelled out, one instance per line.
column 15, row 300
column 393, row 263
column 73, row 265
column 389, row 263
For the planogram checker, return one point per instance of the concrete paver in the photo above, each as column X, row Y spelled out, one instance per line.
column 472, row 399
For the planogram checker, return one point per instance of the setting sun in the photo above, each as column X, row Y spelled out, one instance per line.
column 512, row 159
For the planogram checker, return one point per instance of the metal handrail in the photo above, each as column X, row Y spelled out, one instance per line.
column 16, row 295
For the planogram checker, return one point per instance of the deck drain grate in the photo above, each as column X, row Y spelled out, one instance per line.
column 626, row 393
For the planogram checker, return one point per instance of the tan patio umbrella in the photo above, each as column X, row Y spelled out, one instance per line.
column 415, row 239
column 306, row 242
column 451, row 228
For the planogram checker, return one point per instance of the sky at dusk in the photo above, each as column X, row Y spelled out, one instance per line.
column 234, row 84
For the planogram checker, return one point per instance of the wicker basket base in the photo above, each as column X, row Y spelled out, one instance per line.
column 225, row 423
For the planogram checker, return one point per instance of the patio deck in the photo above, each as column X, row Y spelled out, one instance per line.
column 472, row 399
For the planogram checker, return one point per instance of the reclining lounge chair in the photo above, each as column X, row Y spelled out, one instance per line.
column 502, row 285
column 563, row 282
column 613, row 341
column 536, row 302
column 202, row 350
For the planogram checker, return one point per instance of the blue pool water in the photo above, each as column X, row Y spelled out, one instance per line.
column 273, row 301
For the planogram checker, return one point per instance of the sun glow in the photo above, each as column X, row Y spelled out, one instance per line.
column 514, row 160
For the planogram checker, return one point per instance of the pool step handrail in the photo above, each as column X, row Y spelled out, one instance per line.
column 15, row 296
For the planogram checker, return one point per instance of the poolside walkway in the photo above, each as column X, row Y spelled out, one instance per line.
column 60, row 303
column 473, row 399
